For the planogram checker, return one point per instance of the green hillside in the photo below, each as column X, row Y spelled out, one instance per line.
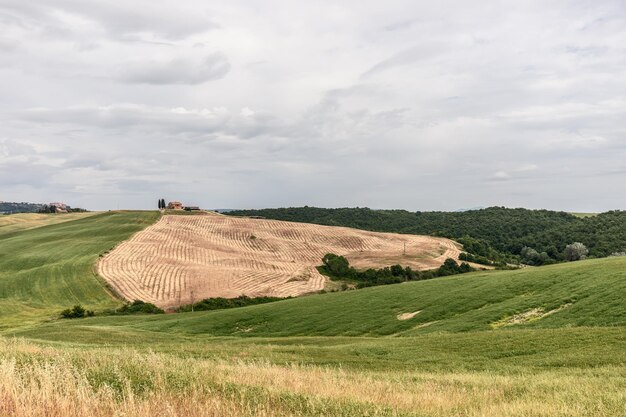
column 49, row 268
column 586, row 293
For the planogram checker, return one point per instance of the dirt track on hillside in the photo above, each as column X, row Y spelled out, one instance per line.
column 185, row 258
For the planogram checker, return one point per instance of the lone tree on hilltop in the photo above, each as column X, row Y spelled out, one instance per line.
column 575, row 251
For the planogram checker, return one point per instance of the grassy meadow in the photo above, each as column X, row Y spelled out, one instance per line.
column 546, row 341
column 588, row 293
column 46, row 269
column 103, row 381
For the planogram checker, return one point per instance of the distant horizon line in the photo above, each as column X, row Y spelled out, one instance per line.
column 458, row 210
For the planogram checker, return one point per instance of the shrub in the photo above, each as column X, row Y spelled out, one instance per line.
column 139, row 307
column 218, row 303
column 532, row 257
column 76, row 312
column 575, row 251
column 336, row 265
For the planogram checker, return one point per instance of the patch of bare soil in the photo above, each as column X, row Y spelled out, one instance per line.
column 526, row 317
column 407, row 316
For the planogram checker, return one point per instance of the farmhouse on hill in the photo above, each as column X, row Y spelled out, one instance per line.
column 59, row 207
column 175, row 205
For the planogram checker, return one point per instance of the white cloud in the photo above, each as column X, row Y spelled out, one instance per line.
column 402, row 104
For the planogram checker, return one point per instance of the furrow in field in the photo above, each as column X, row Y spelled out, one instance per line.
column 184, row 258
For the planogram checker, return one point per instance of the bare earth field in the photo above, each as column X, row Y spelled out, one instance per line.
column 186, row 258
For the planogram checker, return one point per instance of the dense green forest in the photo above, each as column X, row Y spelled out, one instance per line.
column 494, row 232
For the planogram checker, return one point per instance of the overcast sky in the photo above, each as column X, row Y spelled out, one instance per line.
column 247, row 104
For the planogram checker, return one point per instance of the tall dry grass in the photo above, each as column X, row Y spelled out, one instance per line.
column 42, row 381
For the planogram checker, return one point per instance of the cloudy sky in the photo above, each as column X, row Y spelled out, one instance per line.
column 386, row 104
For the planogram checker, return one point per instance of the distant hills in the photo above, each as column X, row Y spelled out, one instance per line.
column 10, row 208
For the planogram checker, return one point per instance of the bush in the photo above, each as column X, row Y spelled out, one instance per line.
column 76, row 312
column 218, row 303
column 336, row 265
column 139, row 307
column 575, row 251
column 532, row 257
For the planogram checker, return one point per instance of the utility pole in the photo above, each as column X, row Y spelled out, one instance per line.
column 404, row 251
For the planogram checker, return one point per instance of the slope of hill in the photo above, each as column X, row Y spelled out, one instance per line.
column 49, row 268
column 585, row 293
column 182, row 258
column 507, row 230
column 24, row 221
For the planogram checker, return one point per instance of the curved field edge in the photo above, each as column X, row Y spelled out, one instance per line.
column 580, row 294
column 49, row 268
column 182, row 258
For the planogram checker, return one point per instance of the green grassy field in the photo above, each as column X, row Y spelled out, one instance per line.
column 545, row 341
column 587, row 293
column 48, row 268
column 583, row 215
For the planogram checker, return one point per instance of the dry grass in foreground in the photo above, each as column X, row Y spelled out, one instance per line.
column 37, row 381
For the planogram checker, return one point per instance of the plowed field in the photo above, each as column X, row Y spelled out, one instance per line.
column 186, row 258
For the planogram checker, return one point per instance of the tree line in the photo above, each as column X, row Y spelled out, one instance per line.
column 338, row 268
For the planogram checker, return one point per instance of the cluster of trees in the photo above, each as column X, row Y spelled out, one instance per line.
column 138, row 307
column 481, row 252
column 478, row 259
column 10, row 208
column 162, row 204
column 497, row 233
column 135, row 307
column 77, row 312
column 338, row 268
column 572, row 252
column 218, row 303
column 46, row 208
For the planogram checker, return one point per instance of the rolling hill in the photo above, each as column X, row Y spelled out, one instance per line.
column 545, row 341
column 51, row 267
column 581, row 294
column 186, row 257
column 25, row 221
